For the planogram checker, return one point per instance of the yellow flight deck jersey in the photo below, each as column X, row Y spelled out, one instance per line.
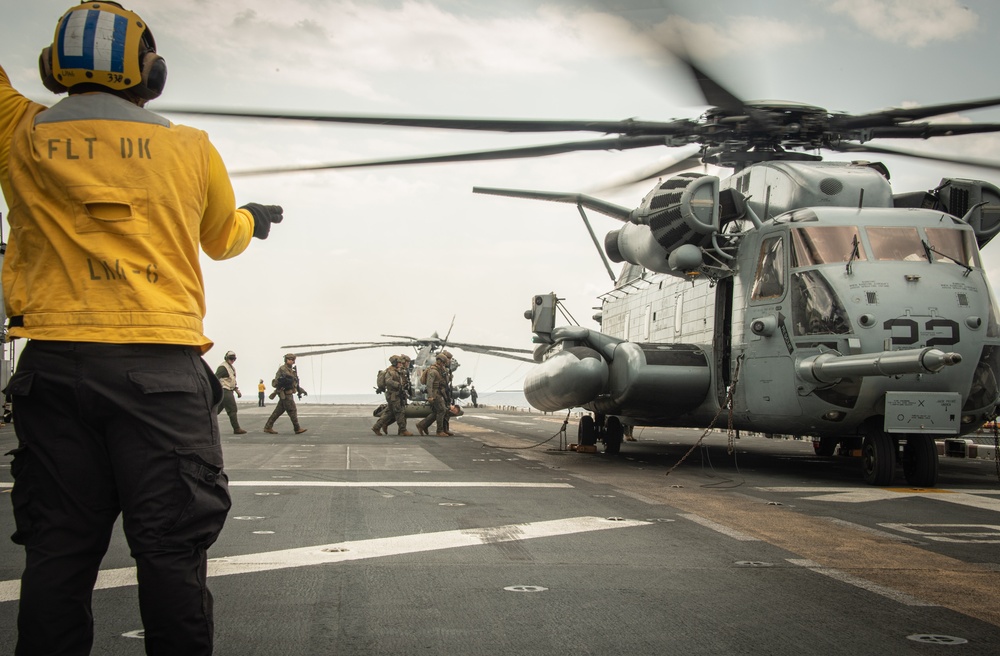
column 108, row 205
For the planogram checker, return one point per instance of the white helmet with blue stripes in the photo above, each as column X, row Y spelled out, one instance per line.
column 101, row 43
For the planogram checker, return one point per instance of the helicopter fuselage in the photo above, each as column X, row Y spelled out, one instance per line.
column 840, row 317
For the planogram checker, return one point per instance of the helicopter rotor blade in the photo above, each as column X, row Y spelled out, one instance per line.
column 712, row 90
column 510, row 354
column 928, row 130
column 868, row 148
column 676, row 164
column 447, row 334
column 625, row 127
column 346, row 344
column 343, row 350
column 896, row 115
column 619, row 212
column 614, row 143
column 486, row 347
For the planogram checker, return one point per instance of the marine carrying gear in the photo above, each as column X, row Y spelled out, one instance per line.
column 103, row 44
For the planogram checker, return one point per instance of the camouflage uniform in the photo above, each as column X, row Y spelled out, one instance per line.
column 287, row 386
column 449, row 376
column 436, row 383
column 395, row 397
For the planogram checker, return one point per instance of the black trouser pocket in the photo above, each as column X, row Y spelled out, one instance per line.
column 203, row 494
column 20, row 495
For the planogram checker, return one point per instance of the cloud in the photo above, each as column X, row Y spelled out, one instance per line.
column 707, row 41
column 341, row 44
column 356, row 47
column 913, row 23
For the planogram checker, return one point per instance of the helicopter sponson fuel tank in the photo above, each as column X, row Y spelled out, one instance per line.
column 589, row 369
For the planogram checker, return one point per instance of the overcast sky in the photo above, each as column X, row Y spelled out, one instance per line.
column 402, row 250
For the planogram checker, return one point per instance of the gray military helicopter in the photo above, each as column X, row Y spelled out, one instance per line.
column 426, row 350
column 797, row 296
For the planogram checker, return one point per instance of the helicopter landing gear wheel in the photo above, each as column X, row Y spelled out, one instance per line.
column 614, row 433
column 878, row 458
column 825, row 446
column 920, row 461
column 587, row 432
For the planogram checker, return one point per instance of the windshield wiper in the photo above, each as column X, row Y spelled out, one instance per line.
column 928, row 249
column 855, row 254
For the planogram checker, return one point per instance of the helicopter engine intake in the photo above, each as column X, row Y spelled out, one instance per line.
column 671, row 226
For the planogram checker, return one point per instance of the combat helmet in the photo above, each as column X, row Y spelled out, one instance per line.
column 101, row 43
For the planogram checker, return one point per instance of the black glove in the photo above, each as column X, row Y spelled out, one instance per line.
column 263, row 217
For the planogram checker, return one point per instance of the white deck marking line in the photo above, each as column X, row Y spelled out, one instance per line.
column 971, row 498
column 348, row 458
column 395, row 484
column 870, row 530
column 719, row 528
column 364, row 549
column 858, row 582
column 3, row 484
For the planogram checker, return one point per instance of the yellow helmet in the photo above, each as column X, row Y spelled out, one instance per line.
column 101, row 43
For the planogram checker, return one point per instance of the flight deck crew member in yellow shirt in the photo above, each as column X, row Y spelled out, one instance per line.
column 109, row 206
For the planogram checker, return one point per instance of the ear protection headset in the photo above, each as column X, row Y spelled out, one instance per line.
column 101, row 43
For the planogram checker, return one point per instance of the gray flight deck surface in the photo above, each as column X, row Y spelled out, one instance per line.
column 341, row 542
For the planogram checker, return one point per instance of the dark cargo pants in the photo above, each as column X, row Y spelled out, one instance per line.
column 108, row 429
column 229, row 405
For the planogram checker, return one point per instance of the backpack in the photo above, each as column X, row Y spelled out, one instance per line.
column 380, row 382
column 423, row 376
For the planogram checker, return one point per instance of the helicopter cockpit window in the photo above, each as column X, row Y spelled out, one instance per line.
column 816, row 308
column 829, row 244
column 896, row 244
column 769, row 279
column 955, row 245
